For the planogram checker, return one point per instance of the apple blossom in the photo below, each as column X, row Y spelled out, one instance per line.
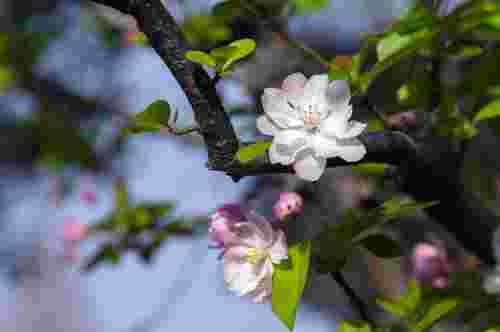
column 309, row 120
column 250, row 248
column 288, row 204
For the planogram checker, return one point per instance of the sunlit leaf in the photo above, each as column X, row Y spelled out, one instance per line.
column 347, row 326
column 373, row 169
column 309, row 6
column 201, row 58
column 435, row 311
column 490, row 111
column 251, row 152
column 289, row 282
column 227, row 55
column 152, row 119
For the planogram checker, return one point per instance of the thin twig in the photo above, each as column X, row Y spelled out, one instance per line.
column 355, row 299
column 277, row 28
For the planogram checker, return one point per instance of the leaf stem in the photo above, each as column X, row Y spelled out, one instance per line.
column 351, row 293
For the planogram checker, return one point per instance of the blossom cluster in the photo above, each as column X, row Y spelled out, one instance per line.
column 251, row 244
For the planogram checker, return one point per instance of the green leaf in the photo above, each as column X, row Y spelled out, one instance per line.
column 347, row 326
column 152, row 119
column 381, row 246
column 338, row 74
column 226, row 11
column 400, row 207
column 289, row 283
column 395, row 54
column 490, row 111
column 493, row 329
column 437, row 310
column 373, row 169
column 309, row 6
column 405, row 306
column 250, row 152
column 201, row 58
column 227, row 55
column 391, row 44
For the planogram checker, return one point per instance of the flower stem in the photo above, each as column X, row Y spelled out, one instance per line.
column 355, row 299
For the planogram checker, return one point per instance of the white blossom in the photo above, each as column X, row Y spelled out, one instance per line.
column 248, row 265
column 309, row 120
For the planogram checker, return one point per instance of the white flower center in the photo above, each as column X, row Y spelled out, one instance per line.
column 255, row 256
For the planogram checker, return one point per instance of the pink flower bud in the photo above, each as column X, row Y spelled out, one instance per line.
column 288, row 204
column 88, row 197
column 430, row 265
column 221, row 230
column 74, row 231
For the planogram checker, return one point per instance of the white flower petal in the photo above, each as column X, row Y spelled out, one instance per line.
column 262, row 293
column 277, row 107
column 491, row 283
column 266, row 125
column 354, row 128
column 279, row 249
column 294, row 84
column 241, row 276
column 325, row 147
column 338, row 94
column 336, row 124
column 262, row 235
column 351, row 150
column 308, row 166
column 286, row 144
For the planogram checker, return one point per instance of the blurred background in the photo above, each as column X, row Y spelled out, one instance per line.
column 70, row 72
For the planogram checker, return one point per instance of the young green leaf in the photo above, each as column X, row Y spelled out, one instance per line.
column 405, row 306
column 490, row 111
column 373, row 169
column 437, row 310
column 381, row 246
column 347, row 326
column 227, row 55
column 152, row 119
column 289, row 282
column 309, row 6
column 250, row 152
column 201, row 58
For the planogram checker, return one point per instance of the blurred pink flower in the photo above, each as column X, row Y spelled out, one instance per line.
column 222, row 224
column 288, row 204
column 74, row 230
column 88, row 196
column 73, row 233
column 250, row 248
column 430, row 265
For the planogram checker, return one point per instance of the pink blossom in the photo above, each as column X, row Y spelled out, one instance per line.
column 222, row 224
column 74, row 231
column 430, row 265
column 288, row 204
column 88, row 196
column 250, row 248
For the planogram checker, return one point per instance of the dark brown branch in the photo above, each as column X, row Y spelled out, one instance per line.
column 166, row 38
column 391, row 147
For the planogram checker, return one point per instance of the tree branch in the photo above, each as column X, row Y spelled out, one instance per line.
column 166, row 39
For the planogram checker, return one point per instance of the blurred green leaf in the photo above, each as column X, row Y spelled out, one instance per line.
column 250, row 152
column 227, row 55
column 490, row 111
column 289, row 283
column 405, row 306
column 227, row 10
column 152, row 119
column 373, row 169
column 435, row 311
column 309, row 6
column 201, row 58
column 205, row 31
column 346, row 326
column 381, row 246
